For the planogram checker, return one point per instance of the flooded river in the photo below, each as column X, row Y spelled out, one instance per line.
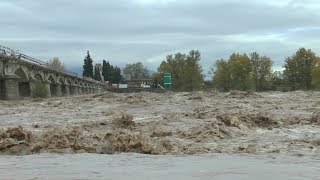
column 137, row 166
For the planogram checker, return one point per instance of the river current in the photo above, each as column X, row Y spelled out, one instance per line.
column 137, row 166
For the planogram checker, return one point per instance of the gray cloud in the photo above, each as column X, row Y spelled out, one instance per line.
column 124, row 31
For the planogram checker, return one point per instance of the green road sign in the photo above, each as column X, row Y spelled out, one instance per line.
column 167, row 81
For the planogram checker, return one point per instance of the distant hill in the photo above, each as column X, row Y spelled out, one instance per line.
column 151, row 72
column 75, row 69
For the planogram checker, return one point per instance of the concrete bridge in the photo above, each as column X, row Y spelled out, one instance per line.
column 19, row 75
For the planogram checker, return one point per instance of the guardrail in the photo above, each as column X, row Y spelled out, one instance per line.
column 9, row 52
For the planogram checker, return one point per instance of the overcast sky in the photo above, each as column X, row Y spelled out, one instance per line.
column 124, row 31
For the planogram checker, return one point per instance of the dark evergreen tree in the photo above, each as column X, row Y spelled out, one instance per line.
column 88, row 66
column 111, row 75
column 117, row 75
column 96, row 74
column 106, row 69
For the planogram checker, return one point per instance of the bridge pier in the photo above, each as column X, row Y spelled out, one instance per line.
column 80, row 90
column 75, row 89
column 11, row 87
column 72, row 89
column 58, row 89
column 67, row 88
column 63, row 89
column 32, row 83
column 47, row 87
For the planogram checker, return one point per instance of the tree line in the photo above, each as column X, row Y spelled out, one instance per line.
column 254, row 72
column 109, row 72
column 243, row 72
column 113, row 74
column 185, row 69
column 239, row 72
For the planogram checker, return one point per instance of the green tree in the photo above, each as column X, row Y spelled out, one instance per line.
column 185, row 71
column 111, row 73
column 106, row 69
column 163, row 68
column 175, row 65
column 221, row 75
column 115, row 75
column 240, row 71
column 278, row 79
column 56, row 64
column 298, row 69
column 192, row 77
column 315, row 74
column 261, row 71
column 135, row 71
column 88, row 66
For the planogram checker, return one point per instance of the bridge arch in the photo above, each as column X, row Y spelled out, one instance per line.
column 23, row 83
column 38, row 77
column 68, row 87
column 53, row 86
column 74, row 87
column 85, row 88
column 69, row 82
column 63, row 87
column 81, row 88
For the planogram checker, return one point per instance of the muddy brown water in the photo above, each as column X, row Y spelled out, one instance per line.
column 271, row 127
column 137, row 166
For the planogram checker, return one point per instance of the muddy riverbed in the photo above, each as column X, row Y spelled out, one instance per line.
column 164, row 124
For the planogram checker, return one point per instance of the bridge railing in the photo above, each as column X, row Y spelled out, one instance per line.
column 9, row 52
